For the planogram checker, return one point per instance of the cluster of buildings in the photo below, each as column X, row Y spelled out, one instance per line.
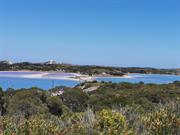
column 6, row 62
column 50, row 62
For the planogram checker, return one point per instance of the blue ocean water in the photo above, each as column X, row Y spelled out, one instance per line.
column 146, row 78
column 18, row 82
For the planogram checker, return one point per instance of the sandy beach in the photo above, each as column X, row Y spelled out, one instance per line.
column 54, row 75
column 46, row 75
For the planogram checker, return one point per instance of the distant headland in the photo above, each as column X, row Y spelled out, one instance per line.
column 90, row 70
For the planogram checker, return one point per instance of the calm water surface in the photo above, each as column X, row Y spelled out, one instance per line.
column 146, row 78
column 11, row 80
column 17, row 83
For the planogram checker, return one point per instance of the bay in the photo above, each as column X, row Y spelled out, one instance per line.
column 44, row 80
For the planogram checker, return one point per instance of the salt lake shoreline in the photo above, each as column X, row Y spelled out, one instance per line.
column 44, row 75
column 73, row 77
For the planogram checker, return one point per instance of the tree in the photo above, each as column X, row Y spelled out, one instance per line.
column 55, row 105
column 26, row 102
column 75, row 99
column 1, row 102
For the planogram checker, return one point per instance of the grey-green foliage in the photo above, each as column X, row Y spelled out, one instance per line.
column 26, row 102
column 1, row 101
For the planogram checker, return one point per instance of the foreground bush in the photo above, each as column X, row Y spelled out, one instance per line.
column 113, row 123
column 117, row 109
column 165, row 120
column 32, row 126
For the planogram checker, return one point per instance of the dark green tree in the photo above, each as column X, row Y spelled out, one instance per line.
column 55, row 105
column 75, row 99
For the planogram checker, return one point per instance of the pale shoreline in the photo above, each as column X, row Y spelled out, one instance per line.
column 72, row 76
column 124, row 76
column 44, row 75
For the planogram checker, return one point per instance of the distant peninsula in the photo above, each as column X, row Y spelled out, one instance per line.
column 82, row 69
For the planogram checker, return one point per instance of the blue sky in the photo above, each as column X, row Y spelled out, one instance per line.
column 143, row 33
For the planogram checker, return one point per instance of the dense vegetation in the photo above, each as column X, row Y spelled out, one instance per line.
column 112, row 109
column 88, row 70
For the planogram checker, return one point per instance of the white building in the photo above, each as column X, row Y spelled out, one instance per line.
column 51, row 62
column 6, row 62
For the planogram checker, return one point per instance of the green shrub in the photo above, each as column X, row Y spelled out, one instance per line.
column 165, row 121
column 113, row 123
